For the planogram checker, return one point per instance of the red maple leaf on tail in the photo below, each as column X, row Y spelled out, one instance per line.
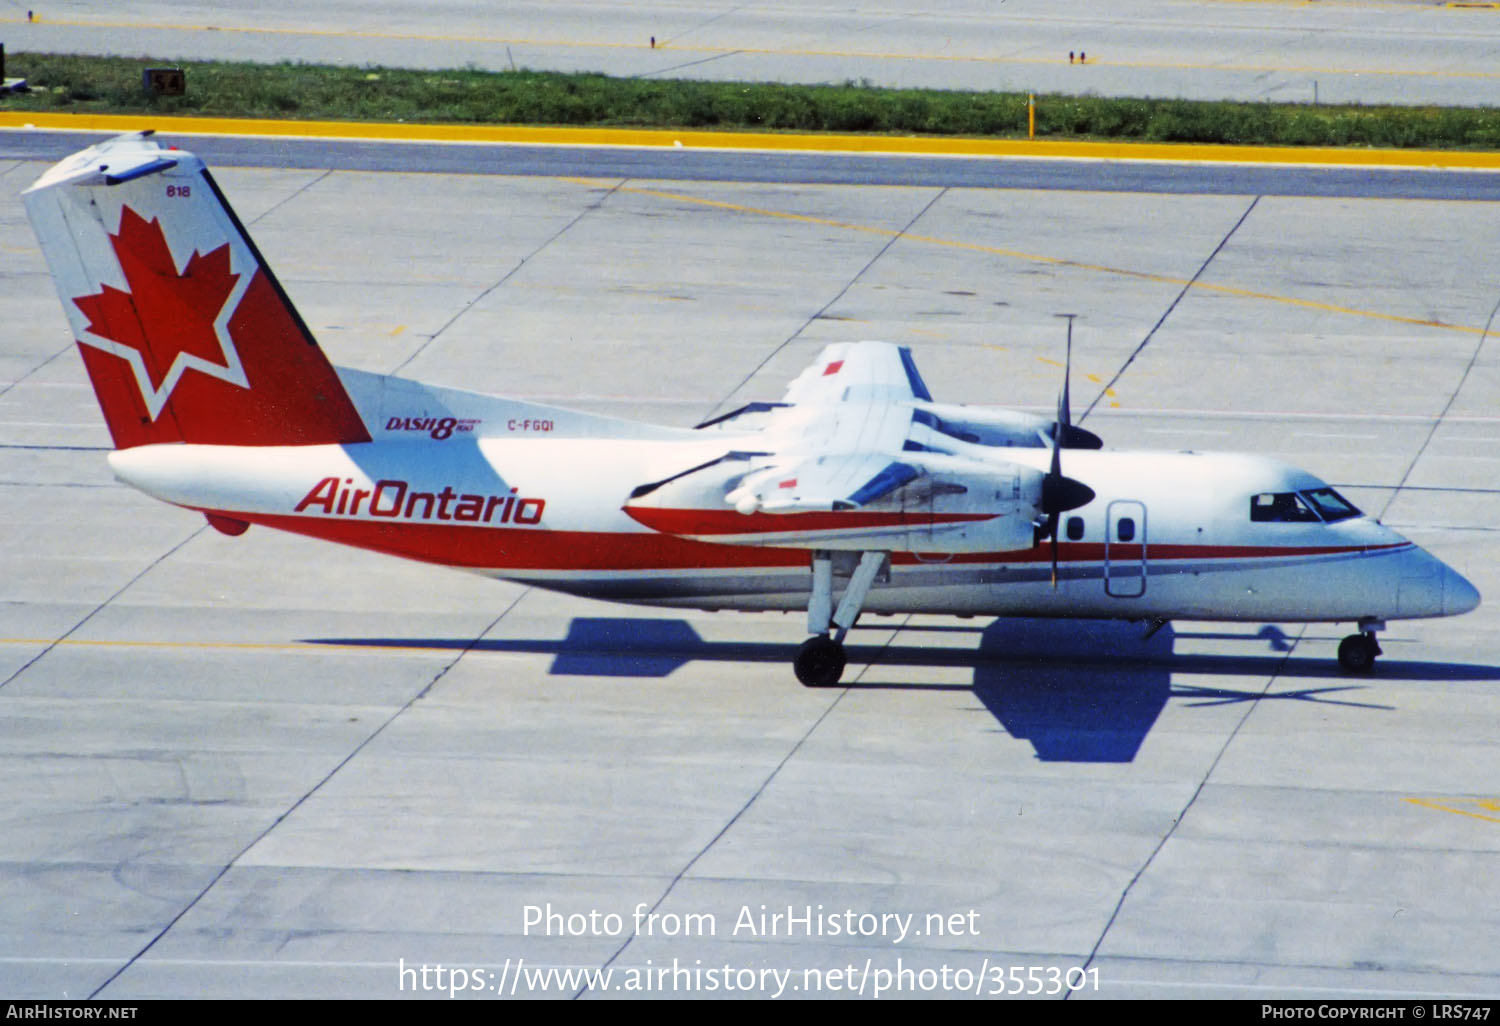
column 165, row 314
column 165, row 371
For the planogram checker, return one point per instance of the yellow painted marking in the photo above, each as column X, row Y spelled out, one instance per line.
column 776, row 141
column 710, row 50
column 398, row 329
column 1447, row 805
column 1050, row 362
column 1041, row 258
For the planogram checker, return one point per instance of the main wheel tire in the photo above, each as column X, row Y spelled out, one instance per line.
column 820, row 662
column 1357, row 653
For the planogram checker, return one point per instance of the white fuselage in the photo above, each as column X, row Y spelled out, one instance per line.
column 1168, row 535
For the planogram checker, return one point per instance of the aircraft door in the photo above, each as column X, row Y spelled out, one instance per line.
column 1125, row 549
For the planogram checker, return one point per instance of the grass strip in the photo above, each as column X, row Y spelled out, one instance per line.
column 111, row 85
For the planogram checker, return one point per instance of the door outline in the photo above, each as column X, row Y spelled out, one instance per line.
column 1125, row 562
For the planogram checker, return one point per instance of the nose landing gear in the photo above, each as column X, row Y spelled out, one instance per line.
column 1357, row 652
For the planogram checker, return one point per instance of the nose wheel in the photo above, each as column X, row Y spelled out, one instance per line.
column 1357, row 652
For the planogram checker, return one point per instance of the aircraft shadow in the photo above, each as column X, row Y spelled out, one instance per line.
column 1077, row 690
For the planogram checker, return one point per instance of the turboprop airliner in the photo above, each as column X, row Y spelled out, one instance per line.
column 856, row 492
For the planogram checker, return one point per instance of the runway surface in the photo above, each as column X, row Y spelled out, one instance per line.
column 1334, row 51
column 263, row 767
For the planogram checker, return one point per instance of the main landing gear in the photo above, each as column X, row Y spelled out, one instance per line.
column 820, row 660
column 1357, row 652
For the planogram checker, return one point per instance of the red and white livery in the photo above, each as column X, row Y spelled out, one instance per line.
column 856, row 492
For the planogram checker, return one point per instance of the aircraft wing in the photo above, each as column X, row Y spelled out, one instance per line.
column 868, row 396
column 858, row 456
column 859, row 372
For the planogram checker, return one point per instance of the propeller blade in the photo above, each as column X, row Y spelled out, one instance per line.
column 1059, row 493
column 1067, row 435
column 1064, row 407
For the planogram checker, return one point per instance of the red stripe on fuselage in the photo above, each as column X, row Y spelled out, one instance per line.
column 525, row 548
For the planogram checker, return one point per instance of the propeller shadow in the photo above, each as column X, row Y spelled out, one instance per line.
column 1077, row 690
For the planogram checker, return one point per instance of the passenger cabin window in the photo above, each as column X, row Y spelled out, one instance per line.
column 1125, row 530
column 1075, row 528
column 1281, row 508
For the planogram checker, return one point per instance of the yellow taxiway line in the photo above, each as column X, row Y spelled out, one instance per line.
column 1456, row 806
column 827, row 143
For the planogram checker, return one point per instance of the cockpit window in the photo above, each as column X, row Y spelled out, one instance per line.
column 1331, row 504
column 1280, row 508
column 1309, row 507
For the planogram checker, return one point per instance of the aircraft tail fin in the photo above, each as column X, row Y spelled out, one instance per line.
column 186, row 334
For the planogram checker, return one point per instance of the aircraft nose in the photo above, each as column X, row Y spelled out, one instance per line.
column 1459, row 596
column 1429, row 587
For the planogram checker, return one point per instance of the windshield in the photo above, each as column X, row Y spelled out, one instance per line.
column 1310, row 507
column 1331, row 504
column 1280, row 508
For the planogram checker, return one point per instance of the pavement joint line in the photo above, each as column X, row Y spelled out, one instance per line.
column 32, row 370
column 666, row 138
column 1064, row 262
column 1438, row 421
column 1107, row 390
column 52, row 645
column 776, row 771
column 893, row 236
column 498, row 283
column 263, row 834
column 1252, row 702
column 294, row 194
